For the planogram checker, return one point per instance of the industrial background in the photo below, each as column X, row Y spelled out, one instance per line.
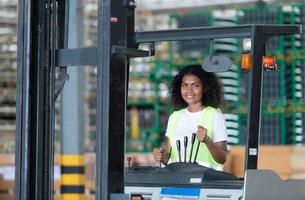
column 283, row 108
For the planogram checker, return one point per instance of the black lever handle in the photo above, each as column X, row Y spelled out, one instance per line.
column 192, row 142
column 197, row 149
column 179, row 149
column 129, row 161
column 162, row 151
column 185, row 147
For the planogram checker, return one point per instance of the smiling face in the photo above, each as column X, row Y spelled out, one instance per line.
column 192, row 91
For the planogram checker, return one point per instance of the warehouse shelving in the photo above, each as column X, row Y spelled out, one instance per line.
column 8, row 64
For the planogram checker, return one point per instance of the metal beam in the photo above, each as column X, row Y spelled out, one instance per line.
column 103, row 93
column 76, row 56
column 214, row 32
column 254, row 98
column 22, row 101
column 193, row 33
column 88, row 56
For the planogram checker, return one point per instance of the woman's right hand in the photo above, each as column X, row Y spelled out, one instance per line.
column 162, row 153
column 158, row 154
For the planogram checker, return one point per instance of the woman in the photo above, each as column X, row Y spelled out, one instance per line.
column 199, row 94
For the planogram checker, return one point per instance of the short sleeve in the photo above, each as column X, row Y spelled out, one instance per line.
column 219, row 128
column 169, row 125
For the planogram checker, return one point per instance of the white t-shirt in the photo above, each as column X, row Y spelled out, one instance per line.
column 188, row 124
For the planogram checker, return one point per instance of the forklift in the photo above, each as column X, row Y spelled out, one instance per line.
column 185, row 180
column 42, row 49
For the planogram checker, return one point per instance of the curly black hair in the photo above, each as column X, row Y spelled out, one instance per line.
column 213, row 94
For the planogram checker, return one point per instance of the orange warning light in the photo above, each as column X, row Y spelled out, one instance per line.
column 246, row 61
column 269, row 63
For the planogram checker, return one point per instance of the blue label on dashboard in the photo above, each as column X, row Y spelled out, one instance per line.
column 180, row 192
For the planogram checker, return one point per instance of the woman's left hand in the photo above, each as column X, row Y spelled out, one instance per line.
column 202, row 134
column 218, row 150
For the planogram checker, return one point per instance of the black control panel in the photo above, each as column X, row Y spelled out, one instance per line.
column 180, row 174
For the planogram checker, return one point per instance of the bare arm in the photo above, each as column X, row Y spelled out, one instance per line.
column 218, row 150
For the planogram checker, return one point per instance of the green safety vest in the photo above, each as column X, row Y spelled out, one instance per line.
column 204, row 154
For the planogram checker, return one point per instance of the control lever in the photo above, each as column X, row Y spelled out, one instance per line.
column 162, row 151
column 128, row 160
column 193, row 141
column 185, row 147
column 179, row 149
column 197, row 149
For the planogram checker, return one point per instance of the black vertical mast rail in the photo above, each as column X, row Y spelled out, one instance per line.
column 111, row 98
column 255, row 87
column 22, row 183
column 103, row 93
column 35, row 100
